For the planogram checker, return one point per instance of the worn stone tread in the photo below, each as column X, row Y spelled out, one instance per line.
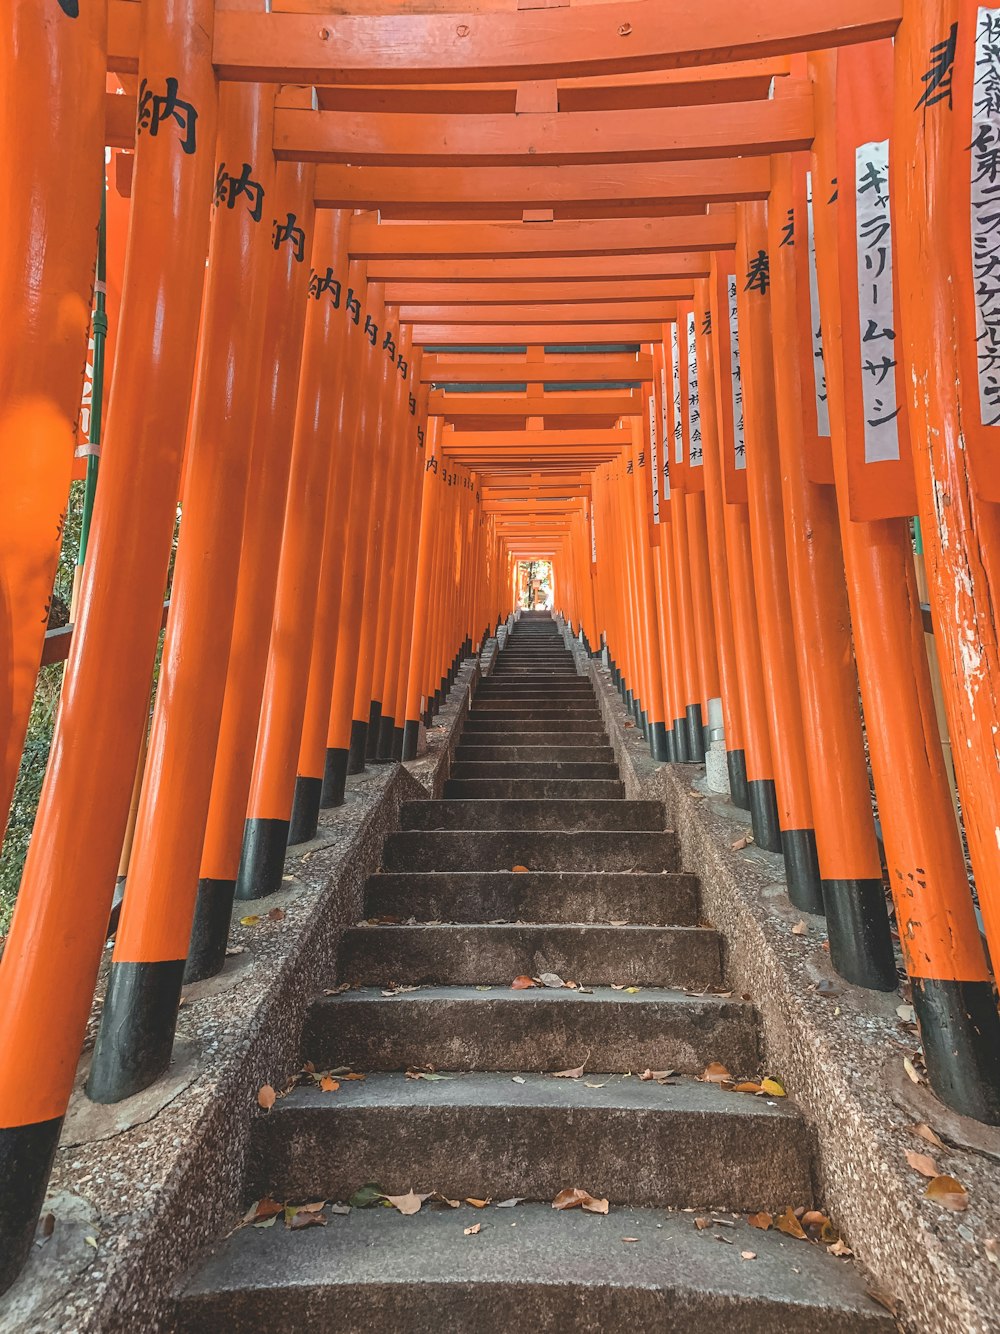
column 549, row 814
column 538, row 850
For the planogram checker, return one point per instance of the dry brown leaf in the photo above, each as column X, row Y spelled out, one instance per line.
column 923, row 1163
column 799, row 929
column 748, row 1087
column 839, row 1248
column 519, row 869
column 316, row 1207
column 276, row 915
column 813, row 1218
column 702, row 1223
column 305, row 1218
column 576, row 1073
column 522, row 983
column 552, row 980
column 329, row 1085
column 337, row 991
column 762, row 1220
column 949, row 1193
column 883, row 1299
column 715, row 1073
column 574, row 1198
column 789, row 1224
column 266, row 1097
column 409, row 1203
column 912, row 1072
column 477, row 1204
column 925, row 1132
column 748, row 1255
column 265, row 1208
column 472, row 1231
column 658, row 1075
column 630, row 1238
column 438, row 1198
column 741, row 843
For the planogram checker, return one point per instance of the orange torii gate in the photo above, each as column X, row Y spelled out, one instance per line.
column 723, row 530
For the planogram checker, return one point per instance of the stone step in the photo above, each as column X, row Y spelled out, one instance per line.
column 535, row 754
column 532, row 815
column 510, row 693
column 459, row 1028
column 506, row 737
column 471, row 955
column 577, row 685
column 553, row 1271
column 535, row 789
column 477, row 725
column 538, row 850
column 507, row 710
column 482, row 1135
column 464, row 769
column 535, row 896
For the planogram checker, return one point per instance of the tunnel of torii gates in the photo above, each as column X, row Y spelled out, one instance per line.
column 701, row 302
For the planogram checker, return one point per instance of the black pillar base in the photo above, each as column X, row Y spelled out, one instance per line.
column 411, row 735
column 960, row 1031
column 858, row 927
column 681, row 740
column 262, row 861
column 658, row 746
column 427, row 717
column 644, row 724
column 358, row 746
column 671, row 744
column 383, row 746
column 696, row 734
column 26, row 1154
column 334, row 785
column 805, row 891
column 213, row 910
column 397, row 743
column 374, row 718
column 764, row 814
column 629, row 702
column 739, row 792
column 136, row 1036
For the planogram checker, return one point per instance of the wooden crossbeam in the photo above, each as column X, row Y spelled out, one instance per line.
column 458, row 406
column 532, row 335
column 515, row 370
column 586, row 312
column 552, row 268
column 661, row 134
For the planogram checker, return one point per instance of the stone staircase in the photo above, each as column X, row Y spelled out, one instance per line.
column 533, row 863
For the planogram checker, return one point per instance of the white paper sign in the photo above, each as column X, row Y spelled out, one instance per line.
column 875, row 309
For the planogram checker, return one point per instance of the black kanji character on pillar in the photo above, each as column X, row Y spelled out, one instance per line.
column 402, row 366
column 371, row 330
column 229, row 188
column 154, row 110
column 318, row 284
column 420, row 437
column 706, row 324
column 759, row 274
column 939, row 74
column 788, row 228
column 413, row 406
column 388, row 345
column 353, row 305
column 285, row 232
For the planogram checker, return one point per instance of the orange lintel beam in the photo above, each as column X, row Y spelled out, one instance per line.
column 661, row 134
column 536, row 439
column 478, row 294
column 587, row 312
column 453, row 240
column 532, row 335
column 534, row 44
column 341, row 186
column 445, row 370
column 457, row 406
column 574, row 268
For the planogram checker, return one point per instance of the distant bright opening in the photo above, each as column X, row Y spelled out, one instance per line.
column 534, row 585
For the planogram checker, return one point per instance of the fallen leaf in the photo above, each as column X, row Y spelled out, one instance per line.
column 573, row 1198
column 632, row 991
column 517, row 1079
column 409, row 1203
column 46, row 1226
column 522, row 983
column 305, row 1218
column 702, row 1223
column 431, row 1075
column 630, row 1238
column 620, row 922
column 747, row 1087
column 519, row 869
column 912, row 1071
column 329, row 1085
column 552, row 980
column 276, row 915
column 799, row 929
column 438, row 1198
column 472, row 1231
column 265, row 1208
column 762, row 1220
column 923, row 1163
column 741, row 843
column 365, row 1197
column 748, row 1255
column 477, row 1204
column 790, row 1225
column 883, row 1300
column 907, row 1013
column 337, row 991
column 839, row 1248
column 266, row 1222
column 252, row 920
column 266, row 1096
column 992, row 1249
column 773, row 1088
column 925, row 1132
column 946, row 1191
column 658, row 1075
column 349, row 1074
column 715, row 1073
column 233, row 950
column 509, row 1204
column 617, row 986
column 576, row 1073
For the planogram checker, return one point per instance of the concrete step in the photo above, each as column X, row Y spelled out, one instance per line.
column 482, row 1135
column 507, row 737
column 535, row 896
column 538, row 850
column 535, row 789
column 531, row 815
column 464, row 769
column 459, row 1028
column 470, row 955
column 535, row 754
column 477, row 725
column 377, row 1269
